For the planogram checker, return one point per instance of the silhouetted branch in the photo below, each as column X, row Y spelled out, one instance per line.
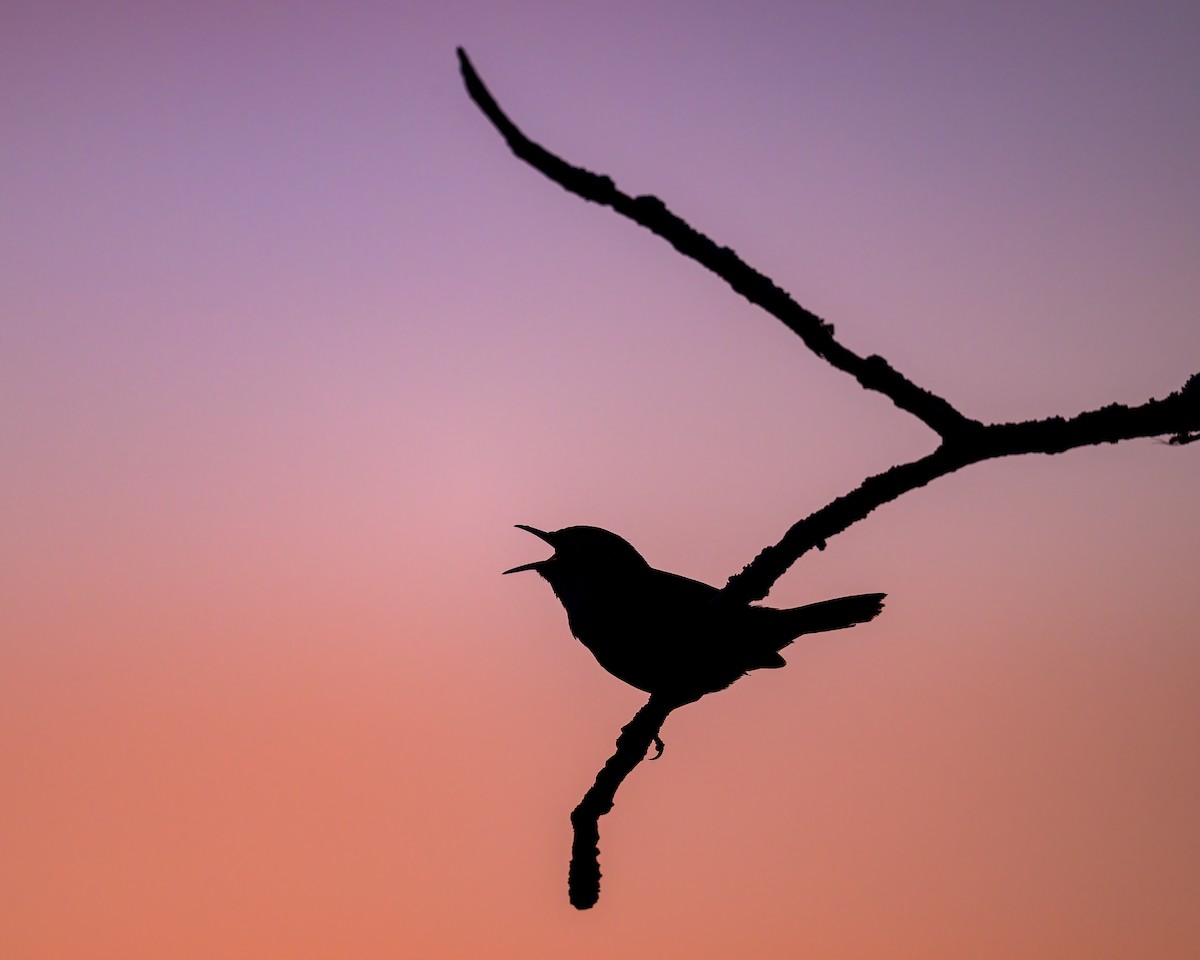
column 583, row 878
column 873, row 373
column 1177, row 414
column 963, row 440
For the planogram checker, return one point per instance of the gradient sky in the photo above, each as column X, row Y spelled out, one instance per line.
column 289, row 342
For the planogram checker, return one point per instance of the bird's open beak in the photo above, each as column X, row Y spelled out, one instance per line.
column 537, row 564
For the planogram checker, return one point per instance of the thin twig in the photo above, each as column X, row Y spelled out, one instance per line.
column 873, row 372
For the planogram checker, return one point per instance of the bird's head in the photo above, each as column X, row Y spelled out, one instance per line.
column 583, row 553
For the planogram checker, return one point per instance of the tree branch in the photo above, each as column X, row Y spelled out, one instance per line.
column 583, row 877
column 873, row 372
column 1177, row 414
column 963, row 441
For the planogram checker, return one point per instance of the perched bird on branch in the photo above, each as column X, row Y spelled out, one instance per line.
column 675, row 638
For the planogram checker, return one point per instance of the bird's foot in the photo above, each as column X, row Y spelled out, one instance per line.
column 659, row 746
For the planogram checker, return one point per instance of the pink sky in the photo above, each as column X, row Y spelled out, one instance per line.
column 290, row 342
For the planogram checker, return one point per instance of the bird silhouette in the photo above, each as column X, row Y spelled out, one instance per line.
column 675, row 638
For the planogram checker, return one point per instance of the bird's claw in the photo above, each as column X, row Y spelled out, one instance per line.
column 659, row 746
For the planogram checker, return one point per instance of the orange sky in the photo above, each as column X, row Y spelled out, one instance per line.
column 291, row 342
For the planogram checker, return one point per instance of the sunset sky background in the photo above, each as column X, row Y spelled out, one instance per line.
column 290, row 341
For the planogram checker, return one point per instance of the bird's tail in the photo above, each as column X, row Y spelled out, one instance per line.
column 830, row 615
